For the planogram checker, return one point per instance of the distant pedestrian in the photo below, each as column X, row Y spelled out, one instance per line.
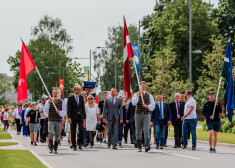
column 33, row 120
column 213, row 122
column 6, row 119
column 25, row 129
column 18, row 119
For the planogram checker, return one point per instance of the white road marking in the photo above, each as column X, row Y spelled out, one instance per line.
column 185, row 156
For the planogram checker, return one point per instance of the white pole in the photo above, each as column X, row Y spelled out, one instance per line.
column 137, row 76
column 45, row 87
column 217, row 95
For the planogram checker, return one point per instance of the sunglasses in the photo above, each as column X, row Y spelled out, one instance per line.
column 90, row 98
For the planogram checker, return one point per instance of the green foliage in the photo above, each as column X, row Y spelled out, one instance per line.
column 204, row 126
column 48, row 49
column 4, row 84
column 3, row 101
column 168, row 27
column 210, row 73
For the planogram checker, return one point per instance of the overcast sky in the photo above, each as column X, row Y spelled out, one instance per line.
column 86, row 21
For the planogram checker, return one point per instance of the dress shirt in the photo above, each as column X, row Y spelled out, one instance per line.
column 176, row 105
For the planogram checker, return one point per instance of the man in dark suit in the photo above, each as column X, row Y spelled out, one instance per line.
column 177, row 112
column 160, row 119
column 130, row 118
column 76, row 116
column 113, row 114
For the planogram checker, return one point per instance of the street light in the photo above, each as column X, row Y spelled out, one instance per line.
column 190, row 38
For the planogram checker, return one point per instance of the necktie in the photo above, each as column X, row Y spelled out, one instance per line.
column 113, row 101
column 178, row 108
column 77, row 99
column 160, row 110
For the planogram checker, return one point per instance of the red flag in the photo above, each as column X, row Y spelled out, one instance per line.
column 127, row 53
column 26, row 66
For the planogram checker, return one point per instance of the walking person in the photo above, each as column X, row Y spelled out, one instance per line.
column 127, row 126
column 112, row 116
column 76, row 117
column 18, row 119
column 85, row 133
column 177, row 112
column 120, row 128
column 25, row 129
column 33, row 120
column 92, row 118
column 142, row 116
column 54, row 119
column 213, row 122
column 42, row 119
column 25, row 114
column 6, row 119
column 101, row 106
column 160, row 119
column 189, row 120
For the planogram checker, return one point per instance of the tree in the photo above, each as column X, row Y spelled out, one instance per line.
column 105, row 59
column 211, row 71
column 3, row 101
column 4, row 84
column 53, row 30
column 47, row 55
column 168, row 27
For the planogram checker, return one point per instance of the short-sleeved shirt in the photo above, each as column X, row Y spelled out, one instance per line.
column 5, row 116
column 40, row 108
column 34, row 116
column 193, row 114
column 101, row 105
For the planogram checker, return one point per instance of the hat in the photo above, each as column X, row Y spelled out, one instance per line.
column 211, row 92
column 33, row 103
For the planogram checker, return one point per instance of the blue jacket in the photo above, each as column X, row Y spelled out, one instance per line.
column 130, row 114
column 156, row 114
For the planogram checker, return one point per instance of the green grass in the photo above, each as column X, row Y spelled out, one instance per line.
column 19, row 159
column 8, row 143
column 203, row 135
column 5, row 136
column 1, row 130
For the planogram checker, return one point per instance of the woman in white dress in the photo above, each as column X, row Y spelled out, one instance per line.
column 92, row 117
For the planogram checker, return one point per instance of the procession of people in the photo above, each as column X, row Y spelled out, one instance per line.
column 82, row 118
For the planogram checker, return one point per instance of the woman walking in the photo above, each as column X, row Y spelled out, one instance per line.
column 92, row 116
column 6, row 119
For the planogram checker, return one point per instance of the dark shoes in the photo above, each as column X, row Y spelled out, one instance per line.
column 147, row 148
column 120, row 145
column 80, row 147
column 165, row 145
column 193, row 148
column 157, row 146
column 139, row 144
column 135, row 144
column 184, row 146
column 109, row 145
column 161, row 147
column 50, row 146
column 114, row 147
column 74, row 148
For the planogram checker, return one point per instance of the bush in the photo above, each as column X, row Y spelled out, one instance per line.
column 233, row 130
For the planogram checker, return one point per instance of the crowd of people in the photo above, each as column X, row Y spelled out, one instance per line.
column 111, row 119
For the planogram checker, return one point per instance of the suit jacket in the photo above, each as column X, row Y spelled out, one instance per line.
column 130, row 114
column 110, row 111
column 74, row 111
column 174, row 111
column 156, row 114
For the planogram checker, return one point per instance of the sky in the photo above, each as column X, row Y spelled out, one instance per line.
column 87, row 22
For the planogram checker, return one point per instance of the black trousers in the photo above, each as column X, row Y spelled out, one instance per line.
column 178, row 132
column 46, row 127
column 126, row 128
column 42, row 130
column 77, row 123
column 166, row 135
column 18, row 125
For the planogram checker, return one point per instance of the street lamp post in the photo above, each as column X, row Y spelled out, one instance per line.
column 190, row 38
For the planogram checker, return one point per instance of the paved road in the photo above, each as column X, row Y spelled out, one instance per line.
column 101, row 157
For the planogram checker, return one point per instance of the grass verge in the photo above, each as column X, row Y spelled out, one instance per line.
column 5, row 136
column 19, row 159
column 8, row 143
column 203, row 135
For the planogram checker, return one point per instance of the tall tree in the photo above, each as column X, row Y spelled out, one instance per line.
column 168, row 27
column 4, row 84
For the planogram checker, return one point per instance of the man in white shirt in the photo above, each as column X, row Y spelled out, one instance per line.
column 189, row 120
column 142, row 115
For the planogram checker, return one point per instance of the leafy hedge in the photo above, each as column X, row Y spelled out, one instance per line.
column 225, row 126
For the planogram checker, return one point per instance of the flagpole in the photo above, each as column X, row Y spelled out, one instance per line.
column 45, row 87
column 137, row 76
column 217, row 95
